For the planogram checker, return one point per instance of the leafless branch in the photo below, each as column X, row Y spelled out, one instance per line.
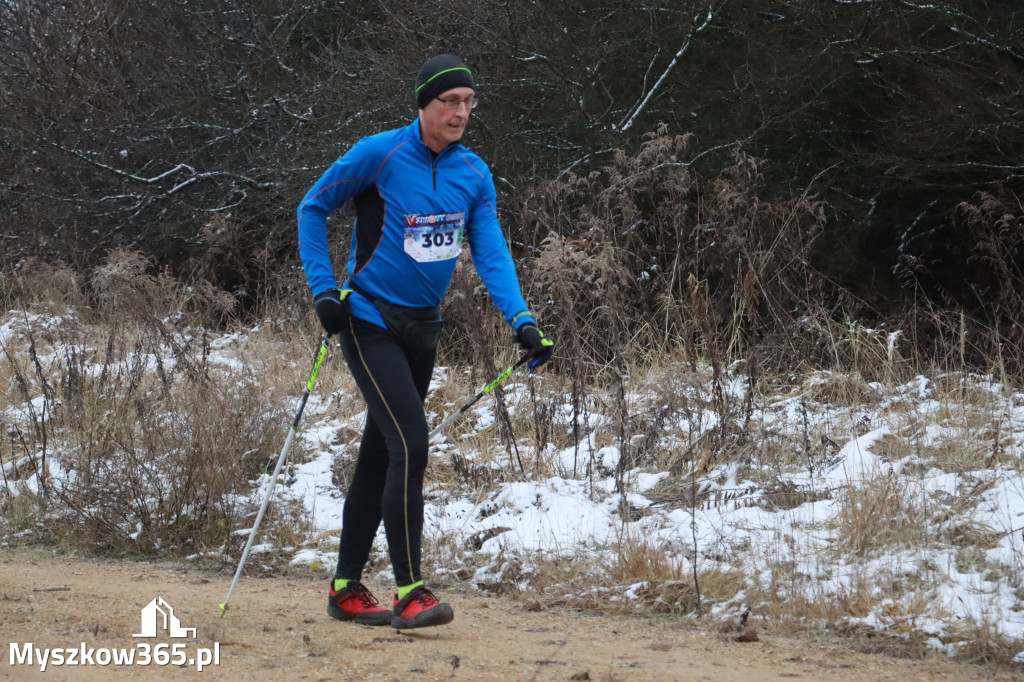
column 627, row 124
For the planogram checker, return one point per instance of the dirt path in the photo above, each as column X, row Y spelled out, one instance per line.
column 277, row 629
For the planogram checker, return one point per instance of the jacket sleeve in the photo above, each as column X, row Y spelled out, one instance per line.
column 491, row 257
column 347, row 177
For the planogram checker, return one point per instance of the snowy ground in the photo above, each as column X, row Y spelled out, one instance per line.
column 558, row 515
column 962, row 565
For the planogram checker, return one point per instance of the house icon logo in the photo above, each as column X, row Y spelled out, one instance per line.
column 159, row 614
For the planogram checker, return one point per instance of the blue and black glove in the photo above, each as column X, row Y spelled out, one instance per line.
column 534, row 340
column 332, row 312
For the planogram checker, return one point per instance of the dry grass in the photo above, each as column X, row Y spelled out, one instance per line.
column 900, row 601
column 39, row 285
column 155, row 439
column 893, row 447
column 840, row 389
column 953, row 436
column 982, row 642
column 635, row 578
column 882, row 514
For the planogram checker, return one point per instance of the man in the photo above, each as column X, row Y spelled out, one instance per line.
column 417, row 193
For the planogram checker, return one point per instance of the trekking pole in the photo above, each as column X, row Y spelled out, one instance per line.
column 487, row 389
column 277, row 469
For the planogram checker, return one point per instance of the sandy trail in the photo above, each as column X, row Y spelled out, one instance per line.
column 277, row 629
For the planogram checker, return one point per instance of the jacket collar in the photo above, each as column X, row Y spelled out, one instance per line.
column 413, row 131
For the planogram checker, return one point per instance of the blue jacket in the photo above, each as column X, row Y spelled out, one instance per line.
column 413, row 208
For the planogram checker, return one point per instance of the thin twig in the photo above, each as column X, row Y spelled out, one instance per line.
column 622, row 127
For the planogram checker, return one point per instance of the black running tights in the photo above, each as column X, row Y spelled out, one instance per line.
column 388, row 480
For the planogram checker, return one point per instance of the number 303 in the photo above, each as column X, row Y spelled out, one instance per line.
column 438, row 239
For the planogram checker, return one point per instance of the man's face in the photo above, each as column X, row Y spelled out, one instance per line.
column 441, row 123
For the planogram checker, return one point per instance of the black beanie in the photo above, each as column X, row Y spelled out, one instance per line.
column 440, row 74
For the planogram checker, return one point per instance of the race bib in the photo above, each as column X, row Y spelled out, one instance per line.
column 434, row 237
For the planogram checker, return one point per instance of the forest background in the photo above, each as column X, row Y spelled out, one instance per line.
column 700, row 175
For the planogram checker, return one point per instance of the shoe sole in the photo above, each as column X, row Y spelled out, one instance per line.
column 441, row 614
column 382, row 618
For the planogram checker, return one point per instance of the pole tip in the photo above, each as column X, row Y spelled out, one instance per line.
column 223, row 609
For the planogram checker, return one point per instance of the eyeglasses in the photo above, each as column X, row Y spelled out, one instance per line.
column 453, row 104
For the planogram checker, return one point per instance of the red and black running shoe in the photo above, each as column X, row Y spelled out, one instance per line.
column 420, row 609
column 355, row 603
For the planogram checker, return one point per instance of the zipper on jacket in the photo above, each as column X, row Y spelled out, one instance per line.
column 434, row 158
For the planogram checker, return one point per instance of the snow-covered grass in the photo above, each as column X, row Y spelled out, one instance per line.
column 815, row 499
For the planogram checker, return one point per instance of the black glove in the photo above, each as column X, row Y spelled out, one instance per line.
column 533, row 340
column 331, row 311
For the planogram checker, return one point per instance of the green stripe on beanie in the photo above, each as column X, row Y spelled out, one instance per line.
column 436, row 75
column 440, row 74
